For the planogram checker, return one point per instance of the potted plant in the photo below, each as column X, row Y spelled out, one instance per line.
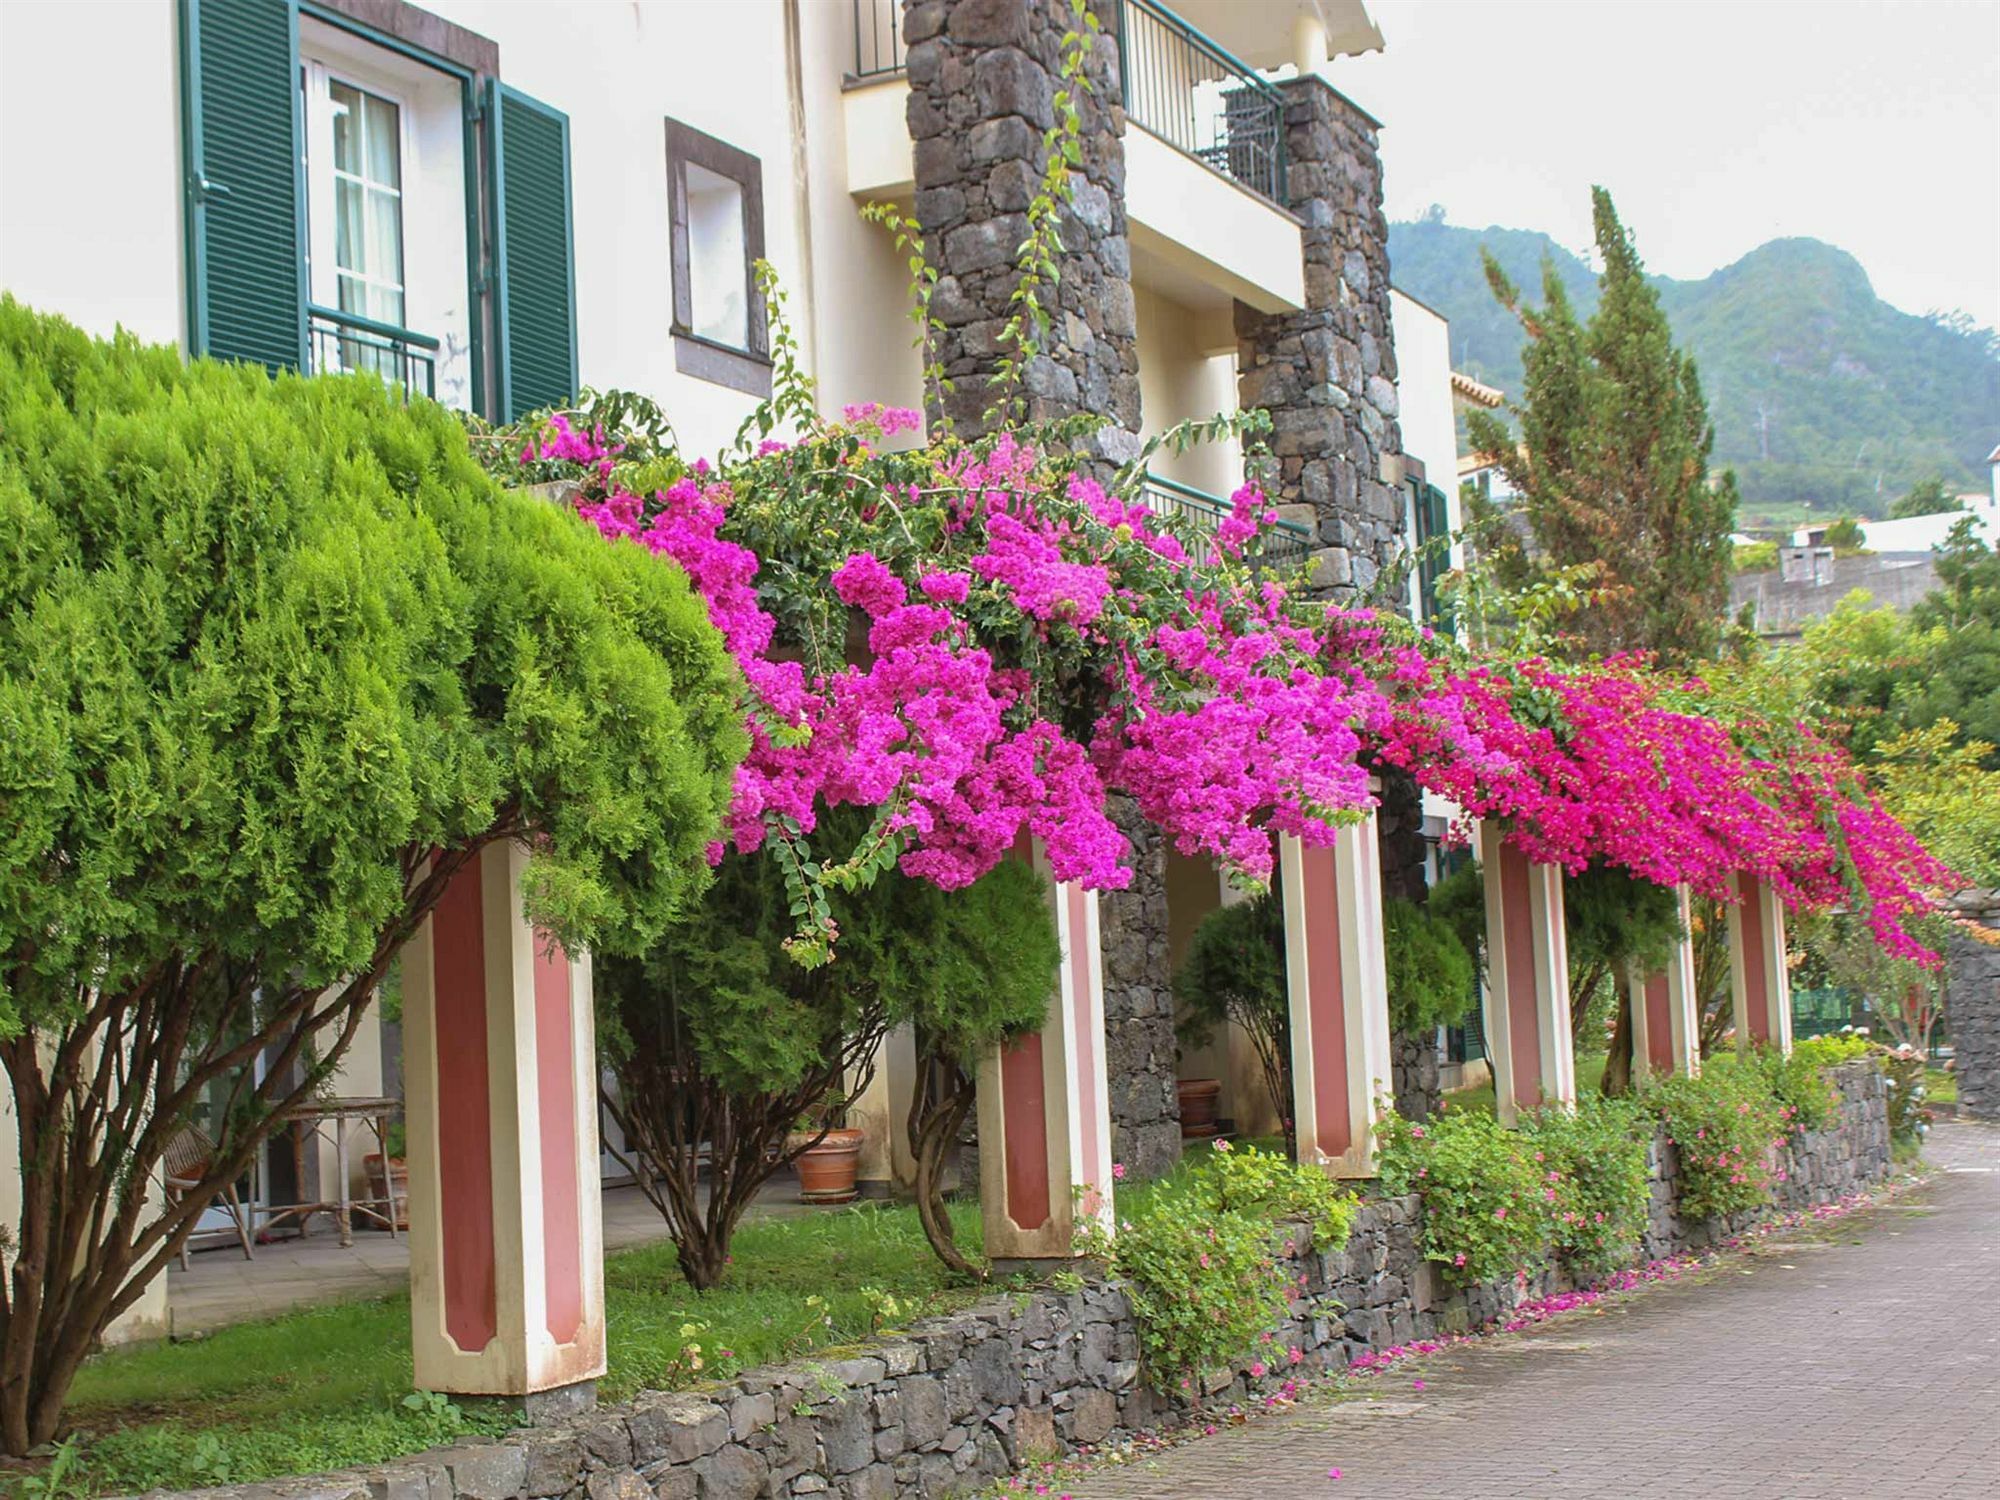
column 387, row 1169
column 1200, row 1102
column 827, row 1166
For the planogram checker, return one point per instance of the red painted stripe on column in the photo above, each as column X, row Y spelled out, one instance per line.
column 1088, row 1040
column 465, row 1114
column 1024, row 1112
column 1524, row 1030
column 1659, row 1025
column 555, row 1094
column 1333, row 1128
column 1755, row 988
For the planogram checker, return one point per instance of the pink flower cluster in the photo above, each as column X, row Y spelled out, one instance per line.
column 1229, row 711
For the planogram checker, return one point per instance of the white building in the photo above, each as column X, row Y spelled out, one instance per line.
column 498, row 202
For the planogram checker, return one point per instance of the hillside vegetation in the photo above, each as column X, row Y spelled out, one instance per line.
column 1820, row 391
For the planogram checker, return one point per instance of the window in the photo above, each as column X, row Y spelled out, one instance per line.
column 716, row 200
column 362, row 192
column 354, row 220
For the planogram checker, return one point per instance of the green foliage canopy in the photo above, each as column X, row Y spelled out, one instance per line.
column 1611, row 461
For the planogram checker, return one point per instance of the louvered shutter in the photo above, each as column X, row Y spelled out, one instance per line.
column 534, row 261
column 244, row 180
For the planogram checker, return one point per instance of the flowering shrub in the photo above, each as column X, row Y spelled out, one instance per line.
column 1834, row 1048
column 979, row 639
column 1594, row 1180
column 1724, row 1126
column 1201, row 1265
column 1805, row 1098
column 1485, row 1216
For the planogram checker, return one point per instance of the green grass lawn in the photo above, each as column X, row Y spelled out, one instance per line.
column 1940, row 1085
column 326, row 1386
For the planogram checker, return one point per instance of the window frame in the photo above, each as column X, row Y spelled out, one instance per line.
column 321, row 74
column 747, row 370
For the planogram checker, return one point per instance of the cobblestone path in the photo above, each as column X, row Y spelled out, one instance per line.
column 1861, row 1358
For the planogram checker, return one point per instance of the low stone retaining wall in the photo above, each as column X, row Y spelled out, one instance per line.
column 960, row 1399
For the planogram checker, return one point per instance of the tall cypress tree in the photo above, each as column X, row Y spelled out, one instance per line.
column 1611, row 462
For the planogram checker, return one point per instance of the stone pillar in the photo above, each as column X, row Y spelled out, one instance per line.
column 1527, row 980
column 882, row 1113
column 1339, row 998
column 1972, row 1001
column 1666, row 1010
column 1760, row 986
column 500, row 1070
column 1327, row 374
column 1139, row 1041
column 1044, row 1124
column 983, row 76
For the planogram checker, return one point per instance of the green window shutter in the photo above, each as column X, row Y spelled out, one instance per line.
column 244, row 180
column 534, row 262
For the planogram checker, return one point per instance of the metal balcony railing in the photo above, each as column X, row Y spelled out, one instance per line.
column 1183, row 87
column 340, row 342
column 1285, row 546
column 878, row 38
column 1195, row 95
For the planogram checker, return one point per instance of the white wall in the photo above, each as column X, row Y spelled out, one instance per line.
column 91, row 188
column 1179, row 380
column 90, row 174
column 1423, row 388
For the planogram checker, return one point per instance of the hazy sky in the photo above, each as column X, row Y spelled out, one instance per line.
column 1717, row 125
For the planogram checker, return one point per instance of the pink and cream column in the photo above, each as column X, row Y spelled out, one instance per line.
column 1666, row 1017
column 1527, row 979
column 1339, row 997
column 1760, row 988
column 506, row 1240
column 1044, row 1105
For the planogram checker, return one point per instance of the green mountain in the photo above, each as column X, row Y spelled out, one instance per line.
column 1821, row 392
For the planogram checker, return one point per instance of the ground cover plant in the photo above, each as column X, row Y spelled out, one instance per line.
column 329, row 1386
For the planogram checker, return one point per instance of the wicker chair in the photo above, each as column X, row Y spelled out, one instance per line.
column 188, row 1156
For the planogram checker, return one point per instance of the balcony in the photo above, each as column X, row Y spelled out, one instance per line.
column 344, row 343
column 1199, row 513
column 1205, row 155
column 1177, row 83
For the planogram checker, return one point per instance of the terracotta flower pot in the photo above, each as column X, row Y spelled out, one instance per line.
column 826, row 1171
column 399, row 1174
column 1200, row 1099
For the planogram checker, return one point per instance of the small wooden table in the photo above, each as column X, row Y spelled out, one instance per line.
column 316, row 1119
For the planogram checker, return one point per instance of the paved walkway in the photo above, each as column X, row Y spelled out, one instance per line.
column 1861, row 1359
column 221, row 1287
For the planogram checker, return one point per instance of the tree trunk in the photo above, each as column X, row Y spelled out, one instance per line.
column 1618, row 1063
column 938, row 1107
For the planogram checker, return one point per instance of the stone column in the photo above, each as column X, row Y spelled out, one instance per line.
column 1140, row 1045
column 1339, row 998
column 1327, row 374
column 1760, row 986
column 1972, row 1001
column 1044, row 1121
column 1527, row 980
column 1666, row 1011
column 983, row 76
column 506, row 1242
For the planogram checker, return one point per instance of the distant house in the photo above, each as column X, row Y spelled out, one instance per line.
column 1920, row 533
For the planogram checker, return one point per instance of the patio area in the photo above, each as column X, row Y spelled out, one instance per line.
column 220, row 1287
